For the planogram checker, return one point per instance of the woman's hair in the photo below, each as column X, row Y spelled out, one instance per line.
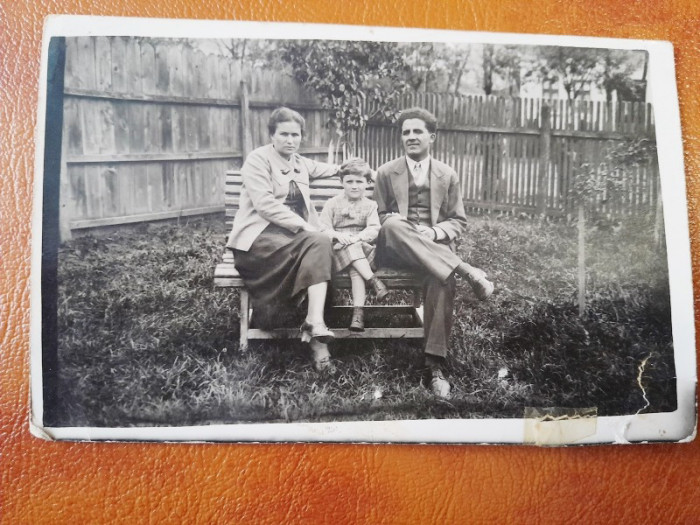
column 355, row 166
column 285, row 115
column 426, row 116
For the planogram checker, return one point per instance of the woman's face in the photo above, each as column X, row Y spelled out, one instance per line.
column 286, row 138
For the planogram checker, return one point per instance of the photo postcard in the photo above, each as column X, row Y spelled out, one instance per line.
column 267, row 232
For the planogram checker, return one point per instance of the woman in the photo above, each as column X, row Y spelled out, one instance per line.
column 276, row 240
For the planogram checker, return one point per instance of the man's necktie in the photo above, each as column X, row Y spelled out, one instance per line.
column 418, row 175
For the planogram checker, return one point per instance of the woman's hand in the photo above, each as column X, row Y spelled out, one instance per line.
column 309, row 228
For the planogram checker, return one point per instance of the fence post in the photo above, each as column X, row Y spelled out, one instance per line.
column 581, row 259
column 65, row 198
column 246, row 137
column 658, row 215
column 330, row 157
column 545, row 154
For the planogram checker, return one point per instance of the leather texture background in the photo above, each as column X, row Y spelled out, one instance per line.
column 44, row 482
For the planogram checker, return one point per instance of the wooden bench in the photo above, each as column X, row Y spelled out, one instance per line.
column 226, row 276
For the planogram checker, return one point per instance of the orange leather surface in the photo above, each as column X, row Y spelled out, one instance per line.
column 45, row 482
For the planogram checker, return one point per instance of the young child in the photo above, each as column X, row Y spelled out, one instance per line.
column 353, row 224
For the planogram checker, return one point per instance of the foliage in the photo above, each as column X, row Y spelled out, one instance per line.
column 349, row 77
column 574, row 68
column 144, row 338
column 617, row 74
column 578, row 68
column 251, row 52
column 611, row 175
column 358, row 80
column 606, row 178
column 437, row 68
column 503, row 61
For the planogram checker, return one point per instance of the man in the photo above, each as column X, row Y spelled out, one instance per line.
column 421, row 211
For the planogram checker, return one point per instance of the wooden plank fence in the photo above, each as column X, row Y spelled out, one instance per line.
column 151, row 126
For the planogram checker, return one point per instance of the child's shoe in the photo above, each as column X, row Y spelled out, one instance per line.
column 358, row 319
column 379, row 288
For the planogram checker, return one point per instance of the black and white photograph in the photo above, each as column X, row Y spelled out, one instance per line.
column 295, row 232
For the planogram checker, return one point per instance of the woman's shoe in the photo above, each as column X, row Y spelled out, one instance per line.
column 379, row 288
column 325, row 366
column 358, row 319
column 322, row 360
column 320, row 332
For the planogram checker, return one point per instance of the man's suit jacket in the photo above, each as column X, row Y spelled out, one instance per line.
column 446, row 206
column 266, row 179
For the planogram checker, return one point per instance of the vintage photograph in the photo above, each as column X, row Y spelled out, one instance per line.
column 315, row 231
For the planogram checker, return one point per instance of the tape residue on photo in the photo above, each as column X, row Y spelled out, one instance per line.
column 557, row 426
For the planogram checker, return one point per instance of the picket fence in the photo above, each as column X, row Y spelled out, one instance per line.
column 522, row 155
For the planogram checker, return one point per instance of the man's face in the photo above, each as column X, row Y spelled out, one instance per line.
column 416, row 138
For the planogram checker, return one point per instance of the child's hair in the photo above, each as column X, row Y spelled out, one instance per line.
column 355, row 166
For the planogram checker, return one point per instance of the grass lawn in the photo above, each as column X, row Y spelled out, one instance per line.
column 145, row 338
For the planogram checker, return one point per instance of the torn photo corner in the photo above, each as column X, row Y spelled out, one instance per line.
column 537, row 260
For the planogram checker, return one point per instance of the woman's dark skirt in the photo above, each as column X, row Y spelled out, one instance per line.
column 281, row 265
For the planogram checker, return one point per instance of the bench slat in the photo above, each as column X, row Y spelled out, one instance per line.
column 341, row 333
column 226, row 269
column 321, row 191
column 232, row 206
column 316, row 184
column 226, row 276
column 228, row 282
column 317, row 194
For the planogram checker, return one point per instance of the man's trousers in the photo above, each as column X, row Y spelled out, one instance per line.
column 401, row 245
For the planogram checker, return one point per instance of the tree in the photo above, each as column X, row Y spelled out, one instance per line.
column 505, row 63
column 253, row 53
column 424, row 65
column 435, row 67
column 458, row 65
column 487, row 64
column 619, row 67
column 574, row 68
column 607, row 178
column 578, row 68
column 355, row 81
